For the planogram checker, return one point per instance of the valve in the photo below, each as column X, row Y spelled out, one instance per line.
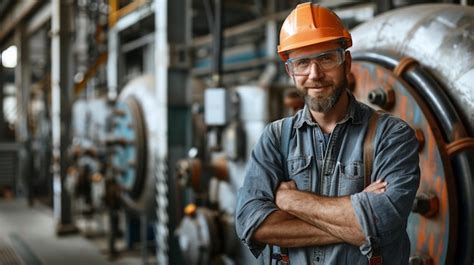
column 118, row 141
column 420, row 260
column 119, row 112
column 426, row 204
column 382, row 98
column 190, row 210
column 189, row 173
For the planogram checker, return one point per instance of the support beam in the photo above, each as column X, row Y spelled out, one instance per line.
column 39, row 19
column 161, row 92
column 3, row 125
column 113, row 60
column 4, row 5
column 62, row 90
column 22, row 84
column 172, row 30
column 21, row 10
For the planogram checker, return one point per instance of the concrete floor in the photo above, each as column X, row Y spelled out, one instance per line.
column 27, row 236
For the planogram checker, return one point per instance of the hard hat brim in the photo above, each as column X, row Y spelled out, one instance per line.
column 288, row 48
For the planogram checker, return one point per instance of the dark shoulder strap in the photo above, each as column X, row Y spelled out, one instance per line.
column 369, row 142
column 286, row 128
column 375, row 257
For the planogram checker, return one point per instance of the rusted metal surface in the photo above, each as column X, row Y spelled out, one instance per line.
column 189, row 172
column 460, row 145
column 437, row 35
column 432, row 234
column 79, row 87
column 220, row 168
column 421, row 139
column 116, row 11
column 403, row 65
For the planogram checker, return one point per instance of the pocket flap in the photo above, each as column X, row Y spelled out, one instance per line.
column 298, row 164
column 352, row 170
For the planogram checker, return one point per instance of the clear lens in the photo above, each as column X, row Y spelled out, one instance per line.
column 326, row 61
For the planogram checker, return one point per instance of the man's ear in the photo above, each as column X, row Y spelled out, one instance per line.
column 348, row 62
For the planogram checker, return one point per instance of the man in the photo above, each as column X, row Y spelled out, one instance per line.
column 315, row 204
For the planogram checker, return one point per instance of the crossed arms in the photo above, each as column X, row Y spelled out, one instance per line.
column 272, row 212
column 305, row 219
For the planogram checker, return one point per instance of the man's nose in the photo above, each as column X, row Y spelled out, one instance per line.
column 315, row 71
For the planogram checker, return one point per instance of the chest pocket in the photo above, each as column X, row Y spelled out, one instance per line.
column 351, row 178
column 299, row 170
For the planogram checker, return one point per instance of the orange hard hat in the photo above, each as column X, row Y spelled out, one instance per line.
column 310, row 24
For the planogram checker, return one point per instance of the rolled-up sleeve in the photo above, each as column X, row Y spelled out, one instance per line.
column 256, row 197
column 383, row 217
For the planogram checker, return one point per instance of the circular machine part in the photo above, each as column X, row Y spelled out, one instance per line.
column 129, row 153
column 133, row 134
column 189, row 173
column 428, row 235
column 439, row 36
column 433, row 93
column 198, row 236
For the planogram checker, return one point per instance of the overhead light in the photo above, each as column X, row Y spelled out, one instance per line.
column 9, row 57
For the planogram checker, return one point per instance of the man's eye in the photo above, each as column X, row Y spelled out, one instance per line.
column 302, row 62
column 327, row 57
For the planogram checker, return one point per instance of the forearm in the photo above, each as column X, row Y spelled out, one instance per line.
column 284, row 230
column 333, row 215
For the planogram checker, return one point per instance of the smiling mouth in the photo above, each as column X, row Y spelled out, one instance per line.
column 318, row 87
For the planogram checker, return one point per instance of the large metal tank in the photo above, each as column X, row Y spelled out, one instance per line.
column 133, row 150
column 119, row 137
column 418, row 63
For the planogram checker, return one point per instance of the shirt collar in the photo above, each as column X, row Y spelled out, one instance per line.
column 354, row 114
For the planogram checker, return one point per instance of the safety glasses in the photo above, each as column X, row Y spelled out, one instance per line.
column 326, row 61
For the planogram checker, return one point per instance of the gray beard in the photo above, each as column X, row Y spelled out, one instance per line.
column 324, row 104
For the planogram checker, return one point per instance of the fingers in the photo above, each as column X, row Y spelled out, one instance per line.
column 287, row 185
column 292, row 184
column 377, row 187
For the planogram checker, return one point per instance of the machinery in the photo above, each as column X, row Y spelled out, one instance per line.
column 416, row 63
column 206, row 232
column 164, row 120
column 397, row 68
column 86, row 174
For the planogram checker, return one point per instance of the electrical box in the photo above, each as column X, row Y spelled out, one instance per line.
column 216, row 107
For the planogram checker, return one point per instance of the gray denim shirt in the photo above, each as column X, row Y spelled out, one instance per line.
column 337, row 170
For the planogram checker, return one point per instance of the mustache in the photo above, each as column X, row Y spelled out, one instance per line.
column 317, row 85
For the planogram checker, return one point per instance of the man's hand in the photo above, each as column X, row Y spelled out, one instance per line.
column 287, row 185
column 281, row 192
column 376, row 187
